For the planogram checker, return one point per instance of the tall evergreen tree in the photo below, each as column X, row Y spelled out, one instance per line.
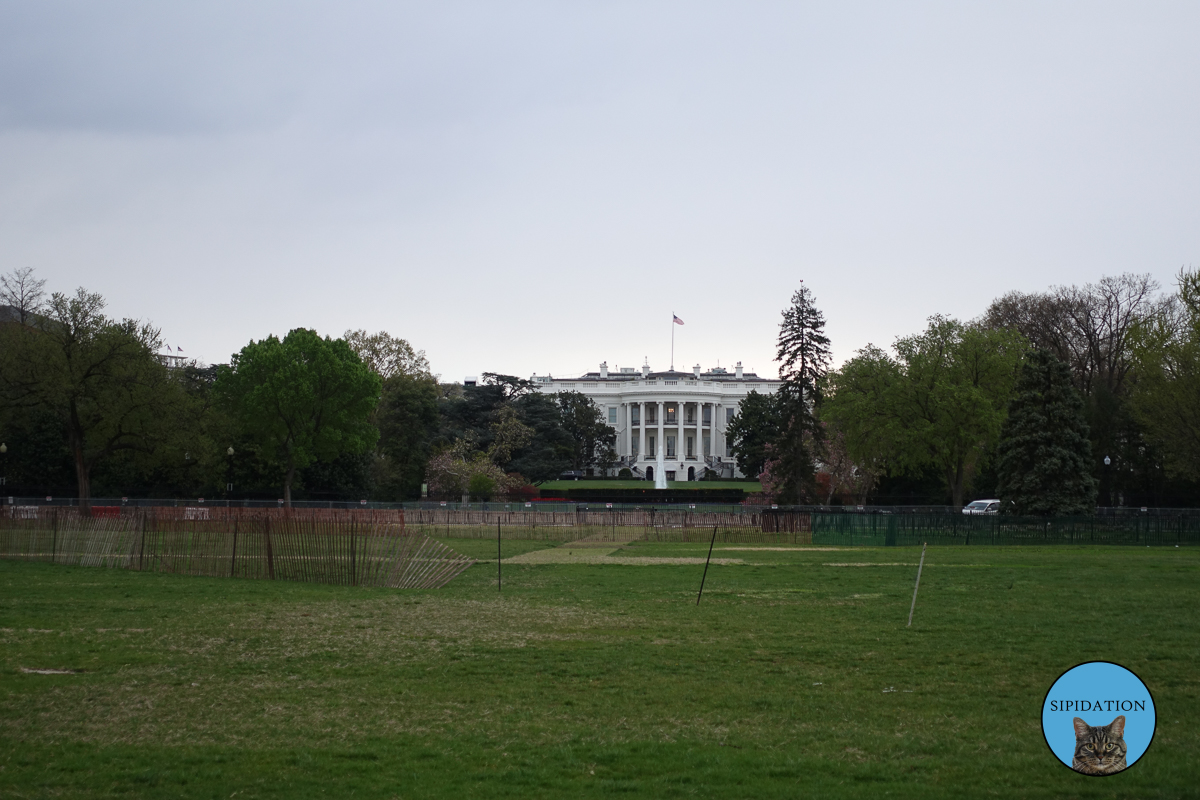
column 1044, row 456
column 803, row 355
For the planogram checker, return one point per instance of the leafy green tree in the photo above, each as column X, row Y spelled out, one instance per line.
column 1166, row 397
column 1044, row 454
column 592, row 438
column 510, row 387
column 188, row 459
column 98, row 377
column 388, row 356
column 303, row 398
column 803, row 354
column 939, row 403
column 407, row 417
column 481, row 486
column 550, row 449
column 752, row 430
column 38, row 461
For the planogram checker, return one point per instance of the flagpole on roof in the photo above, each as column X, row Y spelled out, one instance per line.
column 672, row 341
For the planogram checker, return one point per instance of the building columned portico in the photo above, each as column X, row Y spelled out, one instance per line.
column 682, row 414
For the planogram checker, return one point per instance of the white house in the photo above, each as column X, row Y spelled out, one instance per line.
column 684, row 413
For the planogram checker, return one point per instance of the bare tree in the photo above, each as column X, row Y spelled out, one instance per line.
column 1086, row 327
column 20, row 290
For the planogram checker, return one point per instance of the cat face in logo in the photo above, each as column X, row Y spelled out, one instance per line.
column 1099, row 750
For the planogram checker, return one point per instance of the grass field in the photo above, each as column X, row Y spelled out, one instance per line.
column 595, row 674
column 548, row 487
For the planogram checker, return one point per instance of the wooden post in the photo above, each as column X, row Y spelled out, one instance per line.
column 705, row 575
column 918, row 586
column 233, row 558
column 270, row 555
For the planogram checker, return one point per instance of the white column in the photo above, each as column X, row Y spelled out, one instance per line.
column 660, row 445
column 680, row 444
column 628, row 429
column 641, row 430
column 716, row 413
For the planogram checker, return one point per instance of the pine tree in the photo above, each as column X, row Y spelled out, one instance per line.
column 1044, row 455
column 803, row 355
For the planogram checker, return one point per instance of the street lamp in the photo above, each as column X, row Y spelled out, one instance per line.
column 3, row 450
column 228, row 474
column 1108, row 480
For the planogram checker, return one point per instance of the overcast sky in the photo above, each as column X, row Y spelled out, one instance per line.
column 536, row 187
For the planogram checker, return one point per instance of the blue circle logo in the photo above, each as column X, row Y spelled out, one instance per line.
column 1098, row 718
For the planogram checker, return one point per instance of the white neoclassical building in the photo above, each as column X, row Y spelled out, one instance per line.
column 681, row 416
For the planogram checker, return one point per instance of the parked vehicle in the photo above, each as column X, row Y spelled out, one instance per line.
column 982, row 507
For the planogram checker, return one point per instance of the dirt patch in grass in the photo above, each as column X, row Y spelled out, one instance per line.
column 594, row 555
column 798, row 548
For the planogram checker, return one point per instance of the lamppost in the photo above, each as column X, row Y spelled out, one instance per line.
column 3, row 450
column 1108, row 481
column 228, row 474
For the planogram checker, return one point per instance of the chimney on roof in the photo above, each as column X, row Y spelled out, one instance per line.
column 603, row 369
column 738, row 371
column 696, row 371
column 645, row 368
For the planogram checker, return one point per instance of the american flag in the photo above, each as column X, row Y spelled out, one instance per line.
column 678, row 321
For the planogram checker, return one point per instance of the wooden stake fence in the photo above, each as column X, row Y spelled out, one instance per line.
column 314, row 548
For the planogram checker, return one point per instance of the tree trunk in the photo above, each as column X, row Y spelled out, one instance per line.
column 287, row 482
column 82, row 476
column 957, row 489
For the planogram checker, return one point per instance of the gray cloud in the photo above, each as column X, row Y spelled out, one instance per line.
column 533, row 186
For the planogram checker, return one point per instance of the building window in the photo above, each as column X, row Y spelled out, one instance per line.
column 650, row 446
column 691, row 415
column 670, row 474
column 652, row 413
column 670, row 447
column 670, row 414
column 635, row 413
column 708, row 415
column 634, row 447
column 729, row 414
column 612, row 416
column 691, row 447
column 708, row 445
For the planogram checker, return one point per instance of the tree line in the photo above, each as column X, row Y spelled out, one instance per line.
column 89, row 407
column 1053, row 401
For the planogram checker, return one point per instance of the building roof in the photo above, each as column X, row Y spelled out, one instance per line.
column 711, row 375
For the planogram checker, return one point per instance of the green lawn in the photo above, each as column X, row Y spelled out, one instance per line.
column 595, row 679
column 558, row 486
